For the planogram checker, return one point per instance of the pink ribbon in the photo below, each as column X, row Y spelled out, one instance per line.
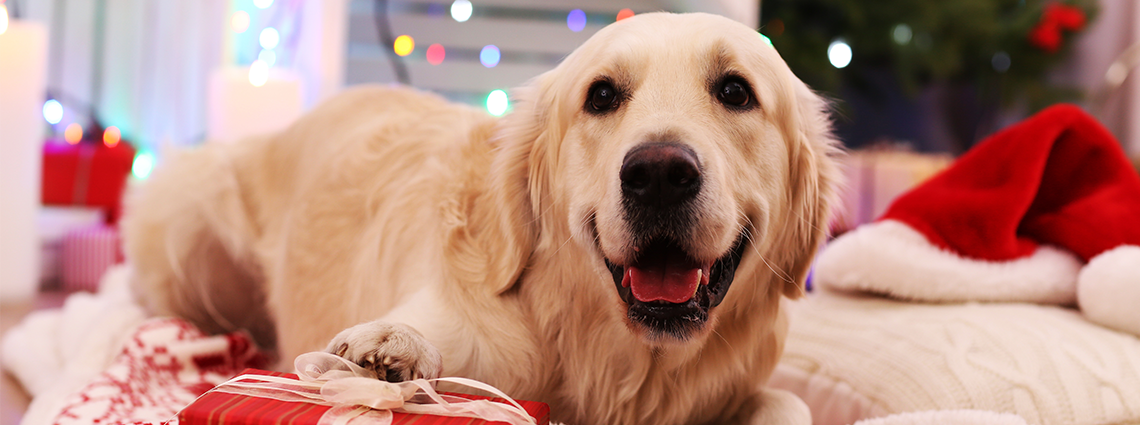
column 357, row 396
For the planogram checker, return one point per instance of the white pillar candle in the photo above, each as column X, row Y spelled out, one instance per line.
column 23, row 59
column 238, row 109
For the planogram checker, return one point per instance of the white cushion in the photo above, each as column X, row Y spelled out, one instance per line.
column 851, row 357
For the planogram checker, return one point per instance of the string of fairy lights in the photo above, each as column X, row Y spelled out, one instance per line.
column 497, row 102
column 275, row 31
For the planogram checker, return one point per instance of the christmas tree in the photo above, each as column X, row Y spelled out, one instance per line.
column 999, row 49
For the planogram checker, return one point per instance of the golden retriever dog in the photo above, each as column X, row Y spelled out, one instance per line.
column 617, row 246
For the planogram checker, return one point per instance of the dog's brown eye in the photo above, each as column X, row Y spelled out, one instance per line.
column 734, row 92
column 602, row 97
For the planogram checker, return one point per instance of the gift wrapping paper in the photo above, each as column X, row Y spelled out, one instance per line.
column 218, row 408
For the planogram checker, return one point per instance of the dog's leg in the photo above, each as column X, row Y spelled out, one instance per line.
column 779, row 407
column 188, row 234
column 392, row 346
column 395, row 351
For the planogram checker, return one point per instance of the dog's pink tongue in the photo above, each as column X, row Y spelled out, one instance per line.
column 669, row 278
column 669, row 284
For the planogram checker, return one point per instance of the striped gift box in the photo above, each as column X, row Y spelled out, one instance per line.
column 86, row 254
column 217, row 408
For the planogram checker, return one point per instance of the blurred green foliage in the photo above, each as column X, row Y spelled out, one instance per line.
column 950, row 41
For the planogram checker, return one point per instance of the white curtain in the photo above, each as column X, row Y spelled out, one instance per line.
column 156, row 60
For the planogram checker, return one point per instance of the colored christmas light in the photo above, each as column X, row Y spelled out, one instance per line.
column 576, row 20
column 435, row 54
column 240, row 22
column 269, row 38
column 404, row 45
column 902, row 34
column 258, row 73
column 489, row 56
column 497, row 103
column 839, row 53
column 461, row 10
column 624, row 13
column 268, row 57
column 3, row 18
column 263, row 4
column 74, row 133
column 111, row 136
column 1001, row 62
column 142, row 166
column 53, row 111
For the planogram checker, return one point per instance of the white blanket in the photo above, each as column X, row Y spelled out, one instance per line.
column 100, row 358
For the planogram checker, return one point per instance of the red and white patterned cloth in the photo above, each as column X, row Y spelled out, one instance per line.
column 163, row 366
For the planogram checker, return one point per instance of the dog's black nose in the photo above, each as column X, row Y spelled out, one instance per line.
column 660, row 174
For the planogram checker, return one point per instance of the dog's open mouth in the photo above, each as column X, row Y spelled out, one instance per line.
column 668, row 292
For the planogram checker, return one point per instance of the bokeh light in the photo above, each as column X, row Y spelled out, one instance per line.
column 269, row 38
column 268, row 57
column 3, row 18
column 767, row 40
column 576, row 20
column 239, row 22
column 111, row 136
column 53, row 111
column 461, row 10
column 74, row 133
column 263, row 4
column 497, row 103
column 144, row 163
column 839, row 53
column 258, row 73
column 404, row 45
column 1001, row 62
column 624, row 13
column 435, row 54
column 902, row 34
column 489, row 56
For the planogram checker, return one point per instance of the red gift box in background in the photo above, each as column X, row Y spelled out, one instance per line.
column 86, row 254
column 86, row 174
column 216, row 408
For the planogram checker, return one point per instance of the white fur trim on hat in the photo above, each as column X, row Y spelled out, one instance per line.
column 889, row 257
column 1108, row 289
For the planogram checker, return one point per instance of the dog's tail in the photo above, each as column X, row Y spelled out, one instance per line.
column 188, row 234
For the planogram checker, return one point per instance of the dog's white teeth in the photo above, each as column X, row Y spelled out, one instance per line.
column 698, row 285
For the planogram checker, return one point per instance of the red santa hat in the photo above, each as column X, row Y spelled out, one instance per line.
column 1045, row 211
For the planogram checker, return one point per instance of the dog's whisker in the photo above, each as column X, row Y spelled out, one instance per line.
column 752, row 243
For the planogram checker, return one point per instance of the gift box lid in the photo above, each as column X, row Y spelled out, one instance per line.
column 217, row 408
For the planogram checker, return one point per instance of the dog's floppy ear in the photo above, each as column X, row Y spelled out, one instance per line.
column 497, row 232
column 813, row 178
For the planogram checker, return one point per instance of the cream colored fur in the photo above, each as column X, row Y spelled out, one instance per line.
column 388, row 203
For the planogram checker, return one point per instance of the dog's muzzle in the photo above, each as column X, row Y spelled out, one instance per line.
column 667, row 291
column 670, row 294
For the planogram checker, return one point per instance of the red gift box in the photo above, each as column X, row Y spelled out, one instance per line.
column 86, row 174
column 217, row 408
column 86, row 254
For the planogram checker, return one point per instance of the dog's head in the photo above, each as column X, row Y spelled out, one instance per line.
column 684, row 156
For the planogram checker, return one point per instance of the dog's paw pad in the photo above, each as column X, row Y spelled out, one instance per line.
column 395, row 352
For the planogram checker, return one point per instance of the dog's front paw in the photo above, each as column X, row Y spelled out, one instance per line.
column 395, row 351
